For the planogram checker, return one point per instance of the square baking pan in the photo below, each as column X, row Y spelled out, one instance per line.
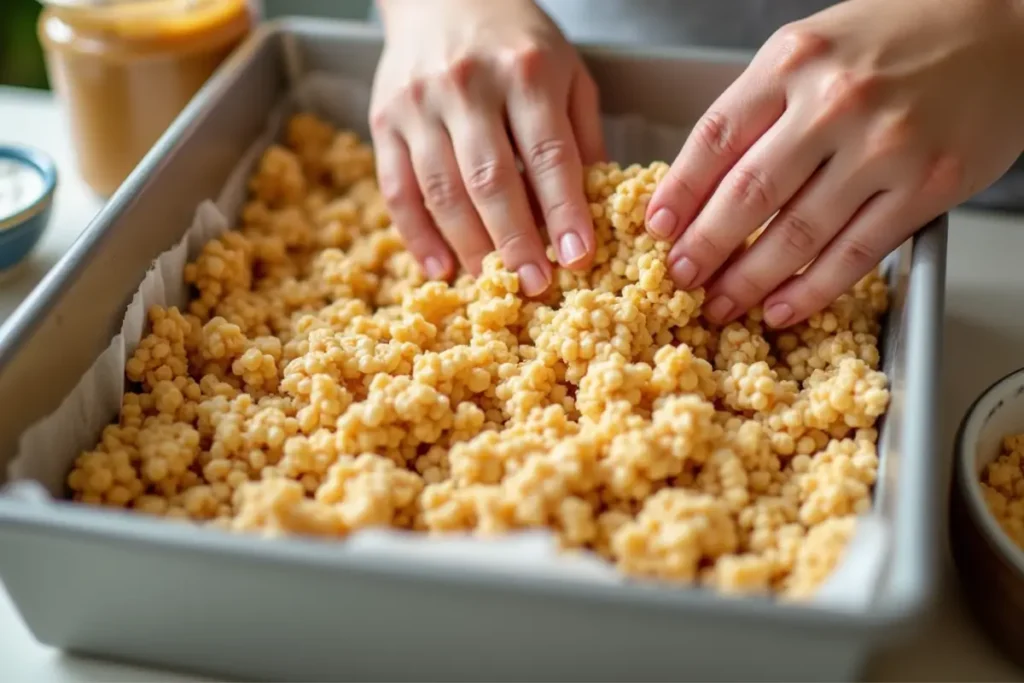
column 176, row 596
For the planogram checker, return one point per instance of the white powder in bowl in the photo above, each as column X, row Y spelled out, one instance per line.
column 21, row 184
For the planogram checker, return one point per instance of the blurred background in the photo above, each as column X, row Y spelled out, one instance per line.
column 21, row 59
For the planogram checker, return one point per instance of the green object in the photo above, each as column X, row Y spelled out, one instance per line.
column 21, row 57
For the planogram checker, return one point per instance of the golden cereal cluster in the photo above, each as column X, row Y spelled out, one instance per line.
column 1002, row 484
column 318, row 384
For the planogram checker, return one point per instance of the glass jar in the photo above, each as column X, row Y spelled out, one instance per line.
column 125, row 69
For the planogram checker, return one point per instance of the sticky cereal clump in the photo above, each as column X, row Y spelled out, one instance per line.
column 317, row 383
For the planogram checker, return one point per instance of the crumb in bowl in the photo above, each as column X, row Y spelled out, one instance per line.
column 318, row 384
column 1002, row 486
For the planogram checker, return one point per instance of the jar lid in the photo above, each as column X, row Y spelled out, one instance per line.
column 145, row 20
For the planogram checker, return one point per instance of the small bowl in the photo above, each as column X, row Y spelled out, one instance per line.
column 20, row 231
column 990, row 565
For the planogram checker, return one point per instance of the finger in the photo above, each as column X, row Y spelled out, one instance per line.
column 402, row 196
column 488, row 168
column 879, row 227
column 771, row 172
column 547, row 147
column 793, row 238
column 531, row 196
column 585, row 117
column 731, row 125
column 444, row 194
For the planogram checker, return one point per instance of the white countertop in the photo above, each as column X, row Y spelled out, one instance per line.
column 984, row 339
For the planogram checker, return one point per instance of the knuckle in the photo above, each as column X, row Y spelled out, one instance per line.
column 751, row 187
column 548, row 155
column 856, row 255
column 396, row 194
column 816, row 296
column 797, row 235
column 461, row 72
column 556, row 208
column 514, row 244
column 528, row 64
column 414, row 93
column 944, row 175
column 679, row 186
column 796, row 45
column 845, row 92
column 380, row 120
column 891, row 138
column 705, row 246
column 488, row 179
column 745, row 287
column 441, row 192
column 716, row 132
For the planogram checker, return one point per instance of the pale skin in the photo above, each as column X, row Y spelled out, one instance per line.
column 848, row 131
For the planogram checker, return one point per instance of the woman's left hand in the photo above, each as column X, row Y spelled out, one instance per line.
column 856, row 126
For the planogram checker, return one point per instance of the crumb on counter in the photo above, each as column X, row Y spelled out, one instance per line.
column 318, row 384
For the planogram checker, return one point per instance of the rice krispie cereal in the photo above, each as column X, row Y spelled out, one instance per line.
column 1002, row 484
column 318, row 384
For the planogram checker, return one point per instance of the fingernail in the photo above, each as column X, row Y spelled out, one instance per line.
column 684, row 272
column 662, row 223
column 434, row 267
column 720, row 308
column 778, row 315
column 532, row 279
column 572, row 248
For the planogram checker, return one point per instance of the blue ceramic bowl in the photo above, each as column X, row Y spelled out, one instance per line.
column 20, row 232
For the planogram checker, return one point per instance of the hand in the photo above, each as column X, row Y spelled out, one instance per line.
column 857, row 125
column 464, row 90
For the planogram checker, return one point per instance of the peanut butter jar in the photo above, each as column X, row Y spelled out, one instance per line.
column 124, row 69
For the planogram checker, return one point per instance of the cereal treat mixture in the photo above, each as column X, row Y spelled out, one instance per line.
column 318, row 384
column 1002, row 484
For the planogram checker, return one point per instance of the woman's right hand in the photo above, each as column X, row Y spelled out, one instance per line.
column 463, row 90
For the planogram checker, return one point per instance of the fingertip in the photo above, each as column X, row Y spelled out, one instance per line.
column 672, row 208
column 721, row 310
column 683, row 268
column 779, row 314
column 437, row 267
column 662, row 223
column 534, row 279
column 572, row 250
column 677, row 191
column 576, row 247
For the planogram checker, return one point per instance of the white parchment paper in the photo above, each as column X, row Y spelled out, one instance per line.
column 48, row 448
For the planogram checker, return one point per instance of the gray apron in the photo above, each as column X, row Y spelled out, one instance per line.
column 736, row 24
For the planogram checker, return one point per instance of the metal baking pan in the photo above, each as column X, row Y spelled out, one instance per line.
column 174, row 596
